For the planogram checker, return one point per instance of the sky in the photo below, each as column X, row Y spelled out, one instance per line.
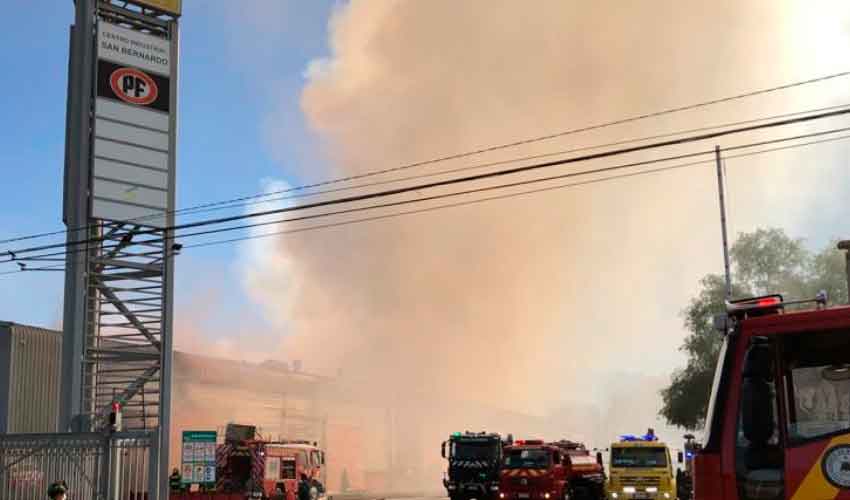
column 570, row 297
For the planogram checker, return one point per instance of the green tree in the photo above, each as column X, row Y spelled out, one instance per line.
column 763, row 262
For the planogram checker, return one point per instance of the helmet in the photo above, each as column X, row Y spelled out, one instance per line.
column 57, row 489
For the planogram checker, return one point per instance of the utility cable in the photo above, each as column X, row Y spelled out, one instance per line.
column 488, row 149
column 479, row 200
column 489, row 188
column 461, row 180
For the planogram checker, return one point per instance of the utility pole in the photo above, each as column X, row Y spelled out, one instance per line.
column 721, row 194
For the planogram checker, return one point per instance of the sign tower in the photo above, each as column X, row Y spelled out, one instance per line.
column 121, row 135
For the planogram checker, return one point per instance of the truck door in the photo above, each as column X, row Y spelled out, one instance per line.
column 816, row 379
column 759, row 458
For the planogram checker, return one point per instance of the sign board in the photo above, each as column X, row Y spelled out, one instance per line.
column 198, row 457
column 133, row 136
column 170, row 6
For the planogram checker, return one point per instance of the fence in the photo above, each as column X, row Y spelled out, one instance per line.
column 94, row 466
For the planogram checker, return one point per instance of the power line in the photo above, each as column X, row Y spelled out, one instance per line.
column 465, row 179
column 474, row 152
column 501, row 186
column 482, row 200
column 271, row 196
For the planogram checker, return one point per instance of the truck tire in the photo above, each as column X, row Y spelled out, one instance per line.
column 581, row 493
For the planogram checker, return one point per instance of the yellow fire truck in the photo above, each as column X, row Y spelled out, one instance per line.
column 640, row 468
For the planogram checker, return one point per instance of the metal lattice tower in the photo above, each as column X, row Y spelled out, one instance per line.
column 123, row 354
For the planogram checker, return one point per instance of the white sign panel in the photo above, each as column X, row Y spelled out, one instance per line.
column 133, row 137
column 133, row 49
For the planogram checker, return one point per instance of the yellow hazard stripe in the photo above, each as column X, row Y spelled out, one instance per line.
column 815, row 485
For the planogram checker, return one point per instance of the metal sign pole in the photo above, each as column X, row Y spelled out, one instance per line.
column 76, row 215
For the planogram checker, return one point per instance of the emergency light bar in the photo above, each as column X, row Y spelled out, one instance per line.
column 766, row 304
column 632, row 437
column 529, row 442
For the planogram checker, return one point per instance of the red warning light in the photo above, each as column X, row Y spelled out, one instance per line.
column 769, row 301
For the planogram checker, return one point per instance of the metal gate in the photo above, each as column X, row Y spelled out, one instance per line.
column 30, row 463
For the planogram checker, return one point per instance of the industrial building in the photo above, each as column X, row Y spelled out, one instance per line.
column 375, row 444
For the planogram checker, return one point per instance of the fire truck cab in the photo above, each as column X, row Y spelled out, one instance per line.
column 533, row 470
column 778, row 421
column 284, row 464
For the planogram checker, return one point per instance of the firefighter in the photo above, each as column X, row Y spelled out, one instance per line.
column 304, row 487
column 175, row 481
column 58, row 491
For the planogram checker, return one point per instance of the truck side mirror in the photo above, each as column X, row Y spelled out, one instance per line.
column 680, row 457
column 443, row 449
column 721, row 323
column 599, row 457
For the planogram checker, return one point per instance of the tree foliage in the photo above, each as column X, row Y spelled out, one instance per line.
column 763, row 262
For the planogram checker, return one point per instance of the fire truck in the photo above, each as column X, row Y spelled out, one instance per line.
column 585, row 474
column 474, row 459
column 251, row 467
column 640, row 468
column 534, row 470
column 778, row 421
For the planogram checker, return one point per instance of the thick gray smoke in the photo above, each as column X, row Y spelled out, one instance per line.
column 531, row 303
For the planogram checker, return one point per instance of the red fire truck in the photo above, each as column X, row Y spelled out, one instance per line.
column 778, row 422
column 534, row 470
column 251, row 467
column 585, row 473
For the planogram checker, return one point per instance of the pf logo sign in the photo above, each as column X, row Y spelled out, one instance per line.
column 133, row 86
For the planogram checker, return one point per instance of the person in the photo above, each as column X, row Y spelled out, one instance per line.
column 58, row 491
column 304, row 487
column 175, row 480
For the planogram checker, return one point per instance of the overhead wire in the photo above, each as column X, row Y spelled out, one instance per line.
column 271, row 196
column 480, row 200
column 459, row 180
column 478, row 151
column 500, row 186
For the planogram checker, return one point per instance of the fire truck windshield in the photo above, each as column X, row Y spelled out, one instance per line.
column 528, row 459
column 476, row 450
column 639, row 457
column 819, row 386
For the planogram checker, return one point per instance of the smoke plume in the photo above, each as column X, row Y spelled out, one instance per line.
column 527, row 303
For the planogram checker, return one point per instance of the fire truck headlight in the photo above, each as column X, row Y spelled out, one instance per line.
column 629, row 489
column 666, row 495
column 614, row 495
column 501, row 495
column 652, row 489
column 546, row 495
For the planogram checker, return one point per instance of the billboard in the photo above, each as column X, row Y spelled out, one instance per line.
column 132, row 177
column 170, row 6
column 198, row 460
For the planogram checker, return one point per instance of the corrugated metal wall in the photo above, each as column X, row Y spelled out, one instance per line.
column 35, row 360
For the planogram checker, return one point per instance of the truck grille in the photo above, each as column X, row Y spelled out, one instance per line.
column 640, row 481
column 523, row 483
